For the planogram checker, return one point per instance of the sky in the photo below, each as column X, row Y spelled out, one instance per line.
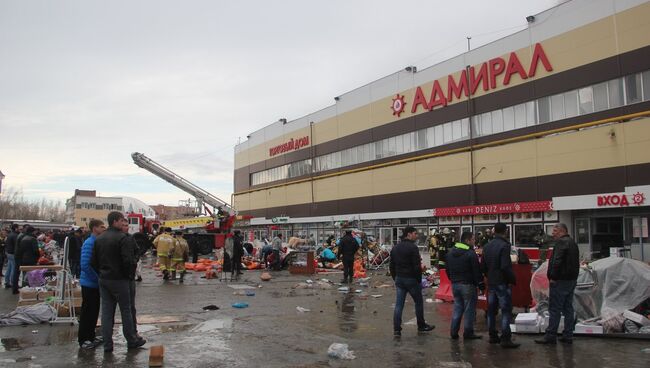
column 85, row 83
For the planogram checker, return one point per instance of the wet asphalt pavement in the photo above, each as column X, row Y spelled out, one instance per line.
column 271, row 332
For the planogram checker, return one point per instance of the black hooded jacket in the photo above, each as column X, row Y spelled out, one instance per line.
column 463, row 266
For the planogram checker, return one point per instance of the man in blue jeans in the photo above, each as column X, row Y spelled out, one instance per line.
column 10, row 249
column 406, row 270
column 498, row 269
column 562, row 273
column 113, row 259
column 465, row 275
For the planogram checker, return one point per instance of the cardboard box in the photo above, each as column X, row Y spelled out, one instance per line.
column 532, row 329
column 22, row 303
column 28, row 294
column 527, row 319
column 544, row 324
column 42, row 295
column 76, row 292
column 635, row 317
column 588, row 329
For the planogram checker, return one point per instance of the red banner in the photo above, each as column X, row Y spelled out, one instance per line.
column 489, row 209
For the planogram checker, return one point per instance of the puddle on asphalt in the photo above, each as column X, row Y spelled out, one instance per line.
column 213, row 324
column 175, row 328
column 347, row 319
column 10, row 344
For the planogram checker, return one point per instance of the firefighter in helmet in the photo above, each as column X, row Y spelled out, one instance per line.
column 180, row 255
column 164, row 244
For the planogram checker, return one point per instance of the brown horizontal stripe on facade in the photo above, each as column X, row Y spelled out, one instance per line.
column 589, row 74
column 541, row 188
column 536, row 129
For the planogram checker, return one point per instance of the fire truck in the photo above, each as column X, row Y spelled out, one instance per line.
column 208, row 232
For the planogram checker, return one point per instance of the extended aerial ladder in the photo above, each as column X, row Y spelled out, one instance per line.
column 202, row 196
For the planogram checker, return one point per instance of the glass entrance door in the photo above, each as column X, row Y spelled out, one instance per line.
column 582, row 236
column 386, row 236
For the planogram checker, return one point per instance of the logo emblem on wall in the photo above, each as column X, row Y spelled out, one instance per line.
column 638, row 198
column 398, row 105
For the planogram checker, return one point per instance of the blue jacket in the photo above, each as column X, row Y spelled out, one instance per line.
column 88, row 275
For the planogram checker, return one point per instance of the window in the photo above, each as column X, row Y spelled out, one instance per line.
column 476, row 125
column 530, row 113
column 557, row 107
column 508, row 118
column 615, row 91
column 438, row 135
column 379, row 153
column 633, row 88
column 520, row 116
column 447, row 131
column 464, row 127
column 586, row 98
column 600, row 97
column 422, row 137
column 497, row 121
column 78, row 206
column 525, row 234
column 571, row 103
column 408, row 142
column 486, row 123
column 646, row 85
column 544, row 110
column 456, row 133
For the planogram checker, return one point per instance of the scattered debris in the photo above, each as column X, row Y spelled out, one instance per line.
column 240, row 305
column 344, row 289
column 210, row 307
column 265, row 276
column 340, row 351
column 376, row 296
column 429, row 300
column 302, row 310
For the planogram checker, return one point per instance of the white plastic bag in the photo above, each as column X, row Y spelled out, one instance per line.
column 340, row 351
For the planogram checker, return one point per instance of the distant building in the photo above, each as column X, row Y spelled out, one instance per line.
column 85, row 205
column 173, row 212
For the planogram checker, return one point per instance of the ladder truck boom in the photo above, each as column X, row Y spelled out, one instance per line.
column 202, row 196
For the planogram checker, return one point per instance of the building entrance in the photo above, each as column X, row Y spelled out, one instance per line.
column 607, row 233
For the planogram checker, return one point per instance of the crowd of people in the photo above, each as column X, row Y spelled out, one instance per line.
column 104, row 259
column 468, row 276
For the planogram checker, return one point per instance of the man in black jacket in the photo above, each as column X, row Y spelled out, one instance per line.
column 406, row 270
column 348, row 247
column 10, row 250
column 26, row 254
column 465, row 275
column 237, row 254
column 114, row 261
column 498, row 268
column 562, row 273
column 75, row 243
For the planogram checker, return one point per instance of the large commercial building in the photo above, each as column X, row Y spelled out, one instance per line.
column 549, row 124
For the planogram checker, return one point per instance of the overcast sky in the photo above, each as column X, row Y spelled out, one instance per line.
column 85, row 83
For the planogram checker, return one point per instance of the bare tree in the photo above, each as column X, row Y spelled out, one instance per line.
column 14, row 205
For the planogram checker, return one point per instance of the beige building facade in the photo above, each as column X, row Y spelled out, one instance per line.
column 557, row 110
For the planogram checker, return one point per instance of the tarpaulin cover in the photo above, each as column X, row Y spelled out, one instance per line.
column 619, row 284
column 28, row 315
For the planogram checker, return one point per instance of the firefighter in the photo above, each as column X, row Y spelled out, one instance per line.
column 164, row 244
column 180, row 256
column 433, row 249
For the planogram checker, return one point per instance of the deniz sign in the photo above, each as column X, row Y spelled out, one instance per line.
column 485, row 76
column 291, row 145
column 620, row 200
